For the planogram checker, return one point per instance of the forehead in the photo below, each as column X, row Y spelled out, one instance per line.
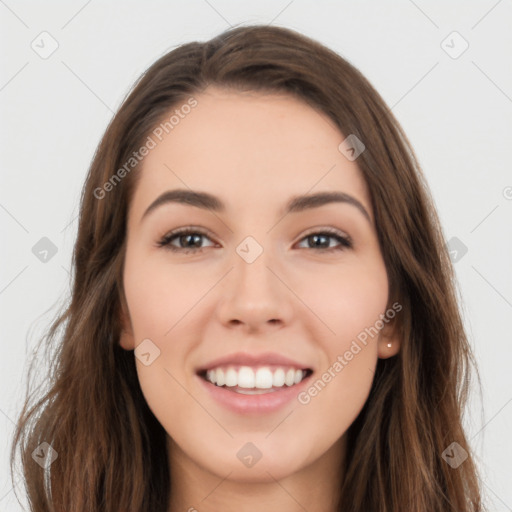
column 250, row 148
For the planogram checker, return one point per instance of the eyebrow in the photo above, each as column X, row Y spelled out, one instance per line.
column 208, row 201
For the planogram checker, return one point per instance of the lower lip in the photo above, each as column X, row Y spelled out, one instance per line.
column 258, row 404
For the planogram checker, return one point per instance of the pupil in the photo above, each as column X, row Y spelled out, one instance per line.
column 188, row 237
column 316, row 237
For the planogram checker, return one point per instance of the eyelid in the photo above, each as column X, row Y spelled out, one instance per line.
column 328, row 230
column 186, row 229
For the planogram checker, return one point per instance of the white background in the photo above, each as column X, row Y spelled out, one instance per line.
column 457, row 113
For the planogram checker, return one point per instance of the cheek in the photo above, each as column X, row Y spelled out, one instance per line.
column 158, row 296
column 350, row 307
column 348, row 299
column 157, row 303
column 161, row 302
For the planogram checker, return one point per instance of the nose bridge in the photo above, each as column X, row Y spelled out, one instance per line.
column 253, row 293
column 252, row 277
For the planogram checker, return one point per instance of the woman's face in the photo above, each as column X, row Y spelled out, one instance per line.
column 259, row 293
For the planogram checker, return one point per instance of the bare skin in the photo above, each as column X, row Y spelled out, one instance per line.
column 254, row 152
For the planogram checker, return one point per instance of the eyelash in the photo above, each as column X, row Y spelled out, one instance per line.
column 345, row 241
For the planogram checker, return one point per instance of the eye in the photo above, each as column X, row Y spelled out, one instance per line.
column 316, row 237
column 188, row 236
column 189, row 240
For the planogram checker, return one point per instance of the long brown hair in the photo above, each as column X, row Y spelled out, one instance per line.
column 111, row 450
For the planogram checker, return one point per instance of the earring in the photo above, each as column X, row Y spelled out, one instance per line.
column 389, row 345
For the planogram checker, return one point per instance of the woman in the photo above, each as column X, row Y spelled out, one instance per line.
column 267, row 368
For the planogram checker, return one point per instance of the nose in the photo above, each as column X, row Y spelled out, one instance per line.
column 255, row 296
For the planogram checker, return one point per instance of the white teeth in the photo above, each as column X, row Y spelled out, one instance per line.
column 290, row 377
column 278, row 378
column 231, row 378
column 250, row 378
column 220, row 378
column 246, row 377
column 263, row 378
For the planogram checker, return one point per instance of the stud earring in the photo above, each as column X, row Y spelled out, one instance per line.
column 389, row 345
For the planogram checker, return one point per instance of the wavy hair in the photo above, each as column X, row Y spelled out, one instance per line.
column 111, row 450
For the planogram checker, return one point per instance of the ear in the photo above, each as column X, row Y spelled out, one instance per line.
column 126, row 338
column 388, row 344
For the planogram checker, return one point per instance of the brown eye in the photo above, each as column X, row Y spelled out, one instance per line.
column 189, row 240
column 320, row 241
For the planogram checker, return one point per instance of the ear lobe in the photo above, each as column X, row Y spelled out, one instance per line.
column 126, row 338
column 388, row 344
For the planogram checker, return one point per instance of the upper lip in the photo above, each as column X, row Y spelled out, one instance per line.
column 246, row 359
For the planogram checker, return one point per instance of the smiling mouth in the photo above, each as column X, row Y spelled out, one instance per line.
column 248, row 380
